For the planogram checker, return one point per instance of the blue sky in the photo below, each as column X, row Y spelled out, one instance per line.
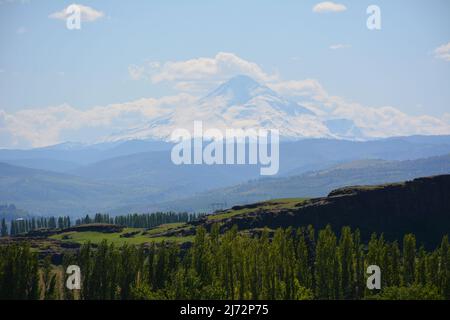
column 43, row 64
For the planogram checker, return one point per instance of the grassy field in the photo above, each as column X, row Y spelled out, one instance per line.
column 165, row 227
column 139, row 236
column 275, row 204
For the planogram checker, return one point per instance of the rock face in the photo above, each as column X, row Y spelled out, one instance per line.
column 420, row 206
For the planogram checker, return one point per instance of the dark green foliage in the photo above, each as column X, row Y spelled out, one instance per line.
column 48, row 280
column 290, row 264
column 4, row 229
column 146, row 220
column 444, row 268
column 19, row 273
column 327, row 272
column 22, row 226
column 409, row 259
column 414, row 292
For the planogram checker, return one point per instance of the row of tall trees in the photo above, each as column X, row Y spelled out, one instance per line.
column 3, row 228
column 290, row 264
column 293, row 264
column 149, row 220
column 146, row 220
column 19, row 273
column 20, row 226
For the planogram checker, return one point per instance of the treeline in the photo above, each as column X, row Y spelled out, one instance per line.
column 20, row 226
column 19, row 273
column 146, row 220
column 293, row 264
column 10, row 212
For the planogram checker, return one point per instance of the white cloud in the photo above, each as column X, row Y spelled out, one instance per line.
column 446, row 117
column 339, row 46
column 386, row 121
column 380, row 122
column 299, row 88
column 201, row 73
column 50, row 125
column 443, row 52
column 329, row 6
column 87, row 13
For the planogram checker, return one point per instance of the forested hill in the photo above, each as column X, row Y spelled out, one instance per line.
column 420, row 206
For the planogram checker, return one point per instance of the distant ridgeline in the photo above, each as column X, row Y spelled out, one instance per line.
column 148, row 220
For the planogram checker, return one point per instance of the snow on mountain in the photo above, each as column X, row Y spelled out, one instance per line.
column 243, row 103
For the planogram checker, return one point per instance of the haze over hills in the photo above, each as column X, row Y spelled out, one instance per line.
column 420, row 206
column 10, row 212
column 315, row 183
column 132, row 170
column 92, row 178
column 44, row 192
column 68, row 157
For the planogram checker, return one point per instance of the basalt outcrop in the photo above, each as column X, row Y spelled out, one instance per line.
column 420, row 206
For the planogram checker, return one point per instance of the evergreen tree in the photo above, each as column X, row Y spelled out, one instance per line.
column 4, row 229
column 346, row 257
column 421, row 265
column 304, row 271
column 269, row 265
column 444, row 268
column 13, row 231
column 326, row 272
column 432, row 269
column 360, row 284
column 409, row 259
column 395, row 277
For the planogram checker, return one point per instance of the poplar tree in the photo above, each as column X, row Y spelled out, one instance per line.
column 444, row 268
column 409, row 259
column 395, row 278
column 326, row 256
column 421, row 272
column 304, row 274
column 360, row 284
column 4, row 229
column 346, row 256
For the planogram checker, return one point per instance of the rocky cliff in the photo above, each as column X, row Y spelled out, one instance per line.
column 420, row 206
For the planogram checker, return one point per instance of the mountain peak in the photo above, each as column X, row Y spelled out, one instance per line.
column 242, row 80
column 240, row 89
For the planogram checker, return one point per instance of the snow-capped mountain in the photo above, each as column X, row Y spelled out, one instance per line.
column 243, row 103
column 243, row 90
